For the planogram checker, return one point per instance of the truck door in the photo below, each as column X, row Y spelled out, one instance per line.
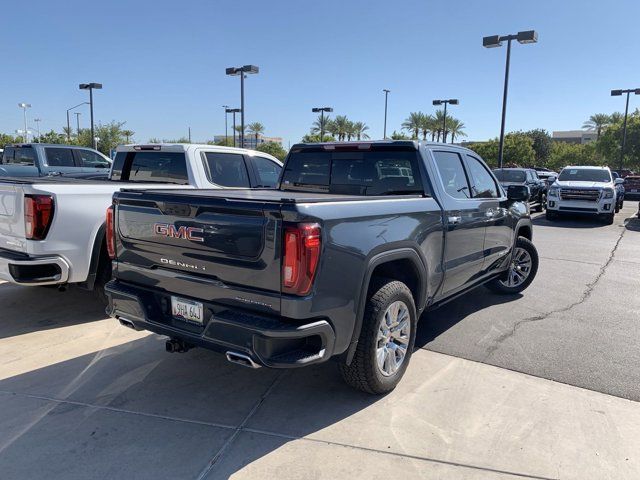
column 60, row 160
column 491, row 204
column 464, row 223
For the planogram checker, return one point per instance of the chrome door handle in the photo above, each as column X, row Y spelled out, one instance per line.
column 454, row 220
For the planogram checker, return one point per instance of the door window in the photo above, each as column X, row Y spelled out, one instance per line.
column 452, row 173
column 267, row 171
column 59, row 157
column 91, row 159
column 226, row 169
column 482, row 183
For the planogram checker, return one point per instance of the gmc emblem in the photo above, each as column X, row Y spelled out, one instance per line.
column 186, row 233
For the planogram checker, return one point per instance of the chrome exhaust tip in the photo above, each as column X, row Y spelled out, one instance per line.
column 126, row 323
column 241, row 359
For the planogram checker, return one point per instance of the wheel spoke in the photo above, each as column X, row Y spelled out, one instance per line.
column 392, row 341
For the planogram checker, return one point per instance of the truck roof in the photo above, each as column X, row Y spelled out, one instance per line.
column 376, row 143
column 185, row 147
column 587, row 167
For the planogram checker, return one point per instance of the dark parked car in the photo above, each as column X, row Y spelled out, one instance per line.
column 632, row 187
column 527, row 177
column 338, row 262
column 45, row 160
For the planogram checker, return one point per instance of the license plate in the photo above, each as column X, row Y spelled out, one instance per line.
column 187, row 310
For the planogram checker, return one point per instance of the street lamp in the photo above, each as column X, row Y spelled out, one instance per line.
column 37, row 122
column 91, row 87
column 322, row 110
column 452, row 101
column 529, row 36
column 241, row 71
column 77, row 114
column 386, row 95
column 618, row 93
column 68, row 124
column 226, row 135
column 24, row 107
column 234, row 111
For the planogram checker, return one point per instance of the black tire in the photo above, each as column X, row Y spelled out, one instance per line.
column 551, row 215
column 103, row 275
column 363, row 373
column 609, row 219
column 497, row 284
column 541, row 203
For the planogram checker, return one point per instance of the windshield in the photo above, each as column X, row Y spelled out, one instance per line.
column 353, row 172
column 584, row 175
column 515, row 176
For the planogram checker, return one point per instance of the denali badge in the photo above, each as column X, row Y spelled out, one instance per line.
column 169, row 230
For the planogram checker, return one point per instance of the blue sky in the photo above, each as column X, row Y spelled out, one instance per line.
column 162, row 62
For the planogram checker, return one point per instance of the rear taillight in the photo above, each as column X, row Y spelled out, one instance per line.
column 38, row 214
column 302, row 244
column 110, row 234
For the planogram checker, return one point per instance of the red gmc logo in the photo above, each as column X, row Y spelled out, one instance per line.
column 186, row 233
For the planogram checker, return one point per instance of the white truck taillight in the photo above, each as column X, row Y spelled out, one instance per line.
column 301, row 256
column 110, row 234
column 38, row 215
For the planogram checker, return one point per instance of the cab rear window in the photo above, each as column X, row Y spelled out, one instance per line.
column 25, row 156
column 353, row 171
column 151, row 167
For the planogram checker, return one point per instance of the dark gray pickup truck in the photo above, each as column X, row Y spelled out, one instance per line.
column 338, row 262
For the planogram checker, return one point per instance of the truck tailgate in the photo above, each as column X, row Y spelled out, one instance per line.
column 12, row 229
column 227, row 244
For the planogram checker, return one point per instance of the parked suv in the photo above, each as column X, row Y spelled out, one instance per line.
column 583, row 190
column 338, row 262
column 527, row 177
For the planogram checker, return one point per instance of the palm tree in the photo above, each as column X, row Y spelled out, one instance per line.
column 128, row 134
column 439, row 118
column 317, row 127
column 427, row 126
column 414, row 123
column 341, row 125
column 597, row 122
column 359, row 129
column 615, row 117
column 456, row 127
column 256, row 128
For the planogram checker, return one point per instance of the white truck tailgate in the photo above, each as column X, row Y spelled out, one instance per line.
column 12, row 230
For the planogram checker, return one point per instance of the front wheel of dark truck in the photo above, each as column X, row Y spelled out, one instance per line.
column 522, row 269
column 386, row 339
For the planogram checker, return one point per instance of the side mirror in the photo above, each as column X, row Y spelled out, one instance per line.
column 618, row 181
column 518, row 193
column 551, row 179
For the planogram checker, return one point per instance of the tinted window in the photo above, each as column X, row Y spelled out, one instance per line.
column 354, row 172
column 449, row 164
column 154, row 167
column 513, row 176
column 226, row 169
column 59, row 157
column 267, row 171
column 91, row 159
column 19, row 156
column 482, row 183
column 584, row 175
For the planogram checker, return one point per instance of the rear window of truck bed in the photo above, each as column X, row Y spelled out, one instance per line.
column 151, row 167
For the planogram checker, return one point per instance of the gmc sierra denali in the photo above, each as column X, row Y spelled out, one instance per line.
column 338, row 261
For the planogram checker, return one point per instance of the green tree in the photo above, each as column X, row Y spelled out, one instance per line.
column 597, row 122
column 273, row 148
column 564, row 154
column 609, row 144
column 427, row 125
column 228, row 142
column 52, row 137
column 399, row 136
column 518, row 150
column 438, row 120
column 456, row 128
column 128, row 134
column 413, row 123
column 321, row 124
column 109, row 135
column 315, row 138
column 340, row 127
column 6, row 139
column 541, row 145
column 359, row 130
column 255, row 128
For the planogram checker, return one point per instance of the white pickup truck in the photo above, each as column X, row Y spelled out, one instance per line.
column 52, row 229
column 583, row 190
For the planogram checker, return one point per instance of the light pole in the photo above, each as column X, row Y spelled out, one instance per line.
column 24, row 107
column 37, row 122
column 68, row 124
column 386, row 95
column 322, row 110
column 234, row 111
column 226, row 135
column 452, row 101
column 617, row 93
column 529, row 36
column 77, row 114
column 91, row 87
column 246, row 69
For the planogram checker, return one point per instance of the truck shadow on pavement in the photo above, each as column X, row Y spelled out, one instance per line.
column 135, row 411
column 433, row 323
column 633, row 224
column 568, row 222
column 30, row 309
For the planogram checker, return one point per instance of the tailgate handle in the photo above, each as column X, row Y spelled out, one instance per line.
column 176, row 209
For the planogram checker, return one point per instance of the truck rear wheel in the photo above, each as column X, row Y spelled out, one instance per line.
column 522, row 270
column 103, row 275
column 386, row 339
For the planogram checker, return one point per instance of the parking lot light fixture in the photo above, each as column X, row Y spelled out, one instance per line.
column 37, row 122
column 24, row 107
column 242, row 72
column 451, row 101
column 68, row 124
column 386, row 96
column 618, row 93
column 322, row 110
column 91, row 87
column 493, row 41
column 233, row 111
column 226, row 134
